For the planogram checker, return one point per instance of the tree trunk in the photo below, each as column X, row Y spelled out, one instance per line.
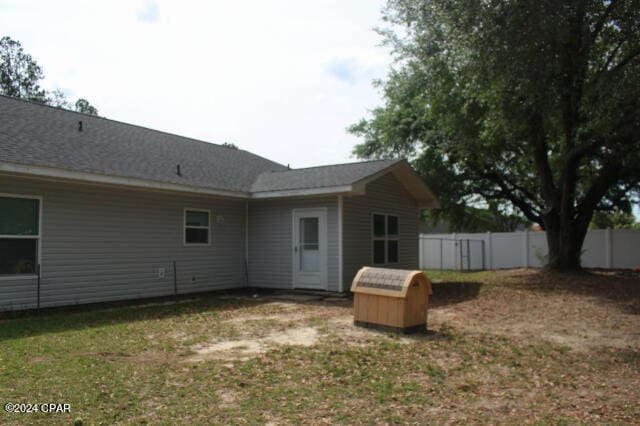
column 565, row 247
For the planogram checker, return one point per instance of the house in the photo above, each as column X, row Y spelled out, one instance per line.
column 96, row 210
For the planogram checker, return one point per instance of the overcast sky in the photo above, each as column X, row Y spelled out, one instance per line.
column 281, row 78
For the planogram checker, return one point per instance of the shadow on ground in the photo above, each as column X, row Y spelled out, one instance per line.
column 451, row 293
column 622, row 288
column 15, row 325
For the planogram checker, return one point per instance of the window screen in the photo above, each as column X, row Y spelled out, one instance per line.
column 19, row 235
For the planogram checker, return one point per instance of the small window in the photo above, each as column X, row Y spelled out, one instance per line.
column 385, row 239
column 196, row 227
column 19, row 235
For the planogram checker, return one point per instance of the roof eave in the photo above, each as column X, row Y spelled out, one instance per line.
column 100, row 179
column 329, row 190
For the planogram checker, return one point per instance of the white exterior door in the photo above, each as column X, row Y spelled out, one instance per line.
column 310, row 248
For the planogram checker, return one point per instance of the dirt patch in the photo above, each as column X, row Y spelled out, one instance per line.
column 284, row 317
column 145, row 357
column 226, row 398
column 248, row 348
column 41, row 359
column 582, row 312
column 342, row 327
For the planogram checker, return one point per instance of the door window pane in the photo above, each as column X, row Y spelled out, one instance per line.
column 392, row 251
column 19, row 216
column 378, row 225
column 309, row 230
column 18, row 256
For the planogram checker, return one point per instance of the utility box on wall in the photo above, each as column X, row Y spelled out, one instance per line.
column 393, row 299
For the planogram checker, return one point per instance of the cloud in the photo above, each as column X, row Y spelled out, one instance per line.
column 347, row 70
column 150, row 13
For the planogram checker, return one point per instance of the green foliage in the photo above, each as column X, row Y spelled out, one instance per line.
column 472, row 219
column 20, row 74
column 83, row 106
column 20, row 77
column 616, row 219
column 520, row 105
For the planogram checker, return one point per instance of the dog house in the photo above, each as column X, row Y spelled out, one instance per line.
column 392, row 299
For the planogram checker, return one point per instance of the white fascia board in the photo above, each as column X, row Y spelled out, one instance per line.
column 54, row 173
column 344, row 189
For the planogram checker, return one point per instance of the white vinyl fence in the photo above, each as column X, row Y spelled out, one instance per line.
column 603, row 248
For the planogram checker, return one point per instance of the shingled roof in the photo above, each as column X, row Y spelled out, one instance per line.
column 319, row 177
column 34, row 134
column 38, row 139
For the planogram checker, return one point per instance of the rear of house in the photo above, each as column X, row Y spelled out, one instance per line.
column 103, row 211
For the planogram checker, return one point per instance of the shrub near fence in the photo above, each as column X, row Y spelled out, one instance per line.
column 603, row 248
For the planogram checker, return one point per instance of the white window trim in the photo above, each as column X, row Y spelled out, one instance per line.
column 385, row 238
column 184, row 228
column 30, row 237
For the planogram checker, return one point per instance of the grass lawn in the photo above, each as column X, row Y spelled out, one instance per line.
column 504, row 347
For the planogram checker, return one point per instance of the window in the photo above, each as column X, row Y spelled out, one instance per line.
column 196, row 227
column 385, row 239
column 19, row 235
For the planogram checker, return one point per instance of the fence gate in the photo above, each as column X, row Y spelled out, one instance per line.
column 462, row 254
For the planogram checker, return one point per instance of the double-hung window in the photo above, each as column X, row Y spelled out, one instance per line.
column 385, row 239
column 19, row 235
column 196, row 227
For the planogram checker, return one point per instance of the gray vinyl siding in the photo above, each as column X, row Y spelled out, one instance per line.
column 103, row 243
column 270, row 241
column 385, row 195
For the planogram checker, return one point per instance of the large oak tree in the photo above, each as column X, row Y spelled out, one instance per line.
column 532, row 105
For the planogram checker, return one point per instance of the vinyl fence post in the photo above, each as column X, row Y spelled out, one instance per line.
column 454, row 252
column 525, row 249
column 608, row 248
column 441, row 254
column 489, row 251
column 483, row 255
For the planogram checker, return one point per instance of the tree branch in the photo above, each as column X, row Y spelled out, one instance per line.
column 602, row 21
column 601, row 185
column 634, row 54
column 531, row 212
column 497, row 178
column 541, row 157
